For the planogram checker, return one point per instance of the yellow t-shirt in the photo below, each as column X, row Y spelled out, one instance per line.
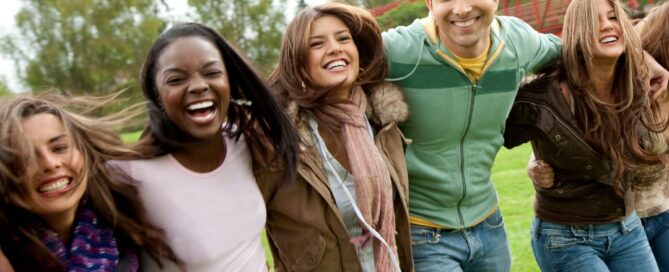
column 474, row 66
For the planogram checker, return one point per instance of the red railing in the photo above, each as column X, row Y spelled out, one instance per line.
column 380, row 10
column 544, row 15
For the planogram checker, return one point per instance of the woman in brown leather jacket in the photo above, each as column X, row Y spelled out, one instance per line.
column 651, row 198
column 586, row 118
column 347, row 210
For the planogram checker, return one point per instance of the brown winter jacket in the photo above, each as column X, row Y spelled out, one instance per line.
column 304, row 227
column 582, row 192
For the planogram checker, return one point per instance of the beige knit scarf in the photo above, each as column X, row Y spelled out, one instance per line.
column 373, row 186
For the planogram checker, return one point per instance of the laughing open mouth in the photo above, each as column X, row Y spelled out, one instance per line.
column 201, row 111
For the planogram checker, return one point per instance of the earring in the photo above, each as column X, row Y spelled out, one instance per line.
column 304, row 86
column 241, row 102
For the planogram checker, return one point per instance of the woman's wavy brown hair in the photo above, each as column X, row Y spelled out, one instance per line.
column 291, row 72
column 109, row 193
column 615, row 129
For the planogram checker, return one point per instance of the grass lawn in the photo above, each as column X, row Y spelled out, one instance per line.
column 516, row 197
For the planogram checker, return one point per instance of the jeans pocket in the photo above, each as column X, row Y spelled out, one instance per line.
column 560, row 241
column 420, row 236
column 494, row 221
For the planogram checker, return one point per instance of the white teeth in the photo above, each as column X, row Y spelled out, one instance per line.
column 201, row 105
column 334, row 64
column 54, row 186
column 608, row 39
column 203, row 119
column 465, row 23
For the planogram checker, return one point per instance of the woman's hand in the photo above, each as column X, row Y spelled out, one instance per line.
column 540, row 173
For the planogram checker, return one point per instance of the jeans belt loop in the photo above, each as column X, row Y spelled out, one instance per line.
column 537, row 229
column 573, row 229
column 437, row 234
column 625, row 225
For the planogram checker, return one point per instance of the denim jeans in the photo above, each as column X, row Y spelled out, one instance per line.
column 620, row 246
column 483, row 247
column 657, row 230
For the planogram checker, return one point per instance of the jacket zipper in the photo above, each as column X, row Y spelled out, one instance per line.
column 472, row 100
column 462, row 154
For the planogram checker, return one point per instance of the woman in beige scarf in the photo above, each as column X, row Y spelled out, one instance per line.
column 347, row 209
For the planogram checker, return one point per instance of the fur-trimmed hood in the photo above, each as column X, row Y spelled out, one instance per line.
column 385, row 105
column 299, row 237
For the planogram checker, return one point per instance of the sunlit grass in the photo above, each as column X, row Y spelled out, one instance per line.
column 516, row 198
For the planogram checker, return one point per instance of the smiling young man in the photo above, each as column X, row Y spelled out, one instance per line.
column 460, row 69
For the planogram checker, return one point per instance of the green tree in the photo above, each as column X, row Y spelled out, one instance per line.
column 255, row 26
column 83, row 46
column 301, row 4
column 4, row 89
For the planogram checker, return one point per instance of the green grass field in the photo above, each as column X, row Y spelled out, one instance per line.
column 516, row 197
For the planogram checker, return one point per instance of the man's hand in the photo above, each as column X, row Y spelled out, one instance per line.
column 540, row 173
column 658, row 77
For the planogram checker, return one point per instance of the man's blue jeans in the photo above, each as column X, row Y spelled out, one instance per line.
column 657, row 230
column 620, row 246
column 483, row 247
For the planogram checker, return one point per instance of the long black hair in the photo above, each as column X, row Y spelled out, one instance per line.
column 270, row 134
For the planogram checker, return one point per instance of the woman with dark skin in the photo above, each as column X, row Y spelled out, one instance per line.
column 211, row 119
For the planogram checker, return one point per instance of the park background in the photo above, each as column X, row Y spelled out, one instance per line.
column 96, row 47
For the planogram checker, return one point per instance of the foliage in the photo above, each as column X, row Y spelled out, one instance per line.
column 402, row 15
column 301, row 4
column 255, row 26
column 4, row 89
column 84, row 46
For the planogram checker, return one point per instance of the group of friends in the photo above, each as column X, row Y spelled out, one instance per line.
column 363, row 151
